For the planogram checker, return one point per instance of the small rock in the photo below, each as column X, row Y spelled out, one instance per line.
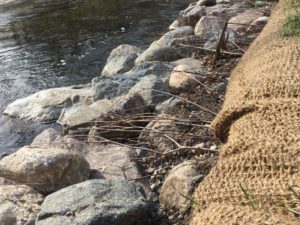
column 179, row 183
column 182, row 79
column 94, row 202
column 19, row 205
column 191, row 15
column 213, row 147
column 45, row 169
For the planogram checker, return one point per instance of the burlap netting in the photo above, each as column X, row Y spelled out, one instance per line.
column 260, row 125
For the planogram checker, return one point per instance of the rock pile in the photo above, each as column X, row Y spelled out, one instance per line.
column 126, row 148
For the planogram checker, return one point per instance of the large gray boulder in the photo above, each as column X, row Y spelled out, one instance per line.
column 121, row 60
column 104, row 108
column 44, row 169
column 19, row 205
column 46, row 105
column 152, row 89
column 94, row 202
column 112, row 86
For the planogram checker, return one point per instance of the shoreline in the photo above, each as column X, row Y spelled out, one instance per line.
column 145, row 120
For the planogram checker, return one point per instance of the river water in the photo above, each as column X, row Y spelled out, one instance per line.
column 46, row 44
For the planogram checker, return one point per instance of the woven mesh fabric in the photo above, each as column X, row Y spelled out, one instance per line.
column 259, row 167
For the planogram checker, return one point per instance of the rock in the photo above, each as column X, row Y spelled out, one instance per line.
column 46, row 105
column 181, row 79
column 74, row 117
column 180, row 182
column 54, row 139
column 158, row 53
column 150, row 88
column 210, row 29
column 121, row 60
column 241, row 22
column 19, row 205
column 174, row 25
column 153, row 134
column 191, row 15
column 112, row 86
column 94, row 202
column 190, row 62
column 257, row 25
column 44, row 169
column 113, row 162
column 169, row 105
column 206, row 2
column 167, row 38
column 209, row 26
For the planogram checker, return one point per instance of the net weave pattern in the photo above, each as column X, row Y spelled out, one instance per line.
column 259, row 167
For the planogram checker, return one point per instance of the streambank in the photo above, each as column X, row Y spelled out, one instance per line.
column 133, row 138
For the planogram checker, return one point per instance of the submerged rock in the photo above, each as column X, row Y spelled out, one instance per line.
column 19, row 205
column 45, row 169
column 46, row 105
column 121, row 60
column 94, row 202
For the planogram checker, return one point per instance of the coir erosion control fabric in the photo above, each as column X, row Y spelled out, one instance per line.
column 257, row 178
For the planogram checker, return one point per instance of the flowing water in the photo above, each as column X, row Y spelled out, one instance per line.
column 51, row 43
